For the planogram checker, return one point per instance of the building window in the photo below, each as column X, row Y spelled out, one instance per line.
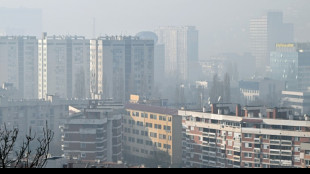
column 247, row 135
column 167, row 146
column 83, row 146
column 247, row 155
column 229, row 152
column 148, row 143
column 170, row 119
column 149, row 125
column 162, row 118
column 157, row 126
column 162, row 137
column 248, row 145
column 154, row 117
column 153, row 135
column 139, row 141
column 167, row 128
column 247, row 165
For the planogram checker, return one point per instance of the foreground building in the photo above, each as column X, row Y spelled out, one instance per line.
column 250, row 137
column 152, row 136
column 94, row 134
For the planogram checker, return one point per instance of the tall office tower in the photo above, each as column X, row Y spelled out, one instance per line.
column 265, row 32
column 121, row 66
column 63, row 66
column 18, row 57
column 181, row 48
column 20, row 21
column 291, row 63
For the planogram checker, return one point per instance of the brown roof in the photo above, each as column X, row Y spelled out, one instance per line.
column 151, row 109
column 255, row 121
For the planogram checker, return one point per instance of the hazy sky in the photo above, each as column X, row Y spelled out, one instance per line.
column 223, row 24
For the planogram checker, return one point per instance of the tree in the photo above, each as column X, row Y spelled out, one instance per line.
column 24, row 156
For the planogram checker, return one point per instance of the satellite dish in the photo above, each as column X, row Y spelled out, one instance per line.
column 220, row 98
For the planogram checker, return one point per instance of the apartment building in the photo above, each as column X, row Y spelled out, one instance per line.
column 95, row 133
column 18, row 57
column 121, row 66
column 250, row 137
column 152, row 135
column 305, row 155
column 63, row 67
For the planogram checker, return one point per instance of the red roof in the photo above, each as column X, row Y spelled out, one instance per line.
column 151, row 109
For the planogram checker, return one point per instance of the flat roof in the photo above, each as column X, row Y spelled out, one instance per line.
column 151, row 109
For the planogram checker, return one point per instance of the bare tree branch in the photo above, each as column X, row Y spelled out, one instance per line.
column 24, row 157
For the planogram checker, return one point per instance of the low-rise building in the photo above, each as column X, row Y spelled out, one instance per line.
column 152, row 135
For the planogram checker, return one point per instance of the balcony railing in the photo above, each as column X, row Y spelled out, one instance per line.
column 275, row 142
column 275, row 152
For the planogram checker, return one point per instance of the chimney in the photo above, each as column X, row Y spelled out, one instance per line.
column 275, row 113
column 238, row 111
column 44, row 36
column 214, row 109
column 246, row 113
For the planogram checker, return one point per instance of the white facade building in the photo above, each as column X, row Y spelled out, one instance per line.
column 18, row 57
column 63, row 67
column 121, row 66
column 181, row 48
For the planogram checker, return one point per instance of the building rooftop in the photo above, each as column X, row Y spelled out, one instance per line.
column 152, row 109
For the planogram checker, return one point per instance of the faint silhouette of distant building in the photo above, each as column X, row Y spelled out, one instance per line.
column 290, row 63
column 181, row 48
column 18, row 64
column 265, row 32
column 20, row 21
column 159, row 56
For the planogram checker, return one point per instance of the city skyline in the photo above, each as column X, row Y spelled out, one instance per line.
column 155, row 84
column 215, row 25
